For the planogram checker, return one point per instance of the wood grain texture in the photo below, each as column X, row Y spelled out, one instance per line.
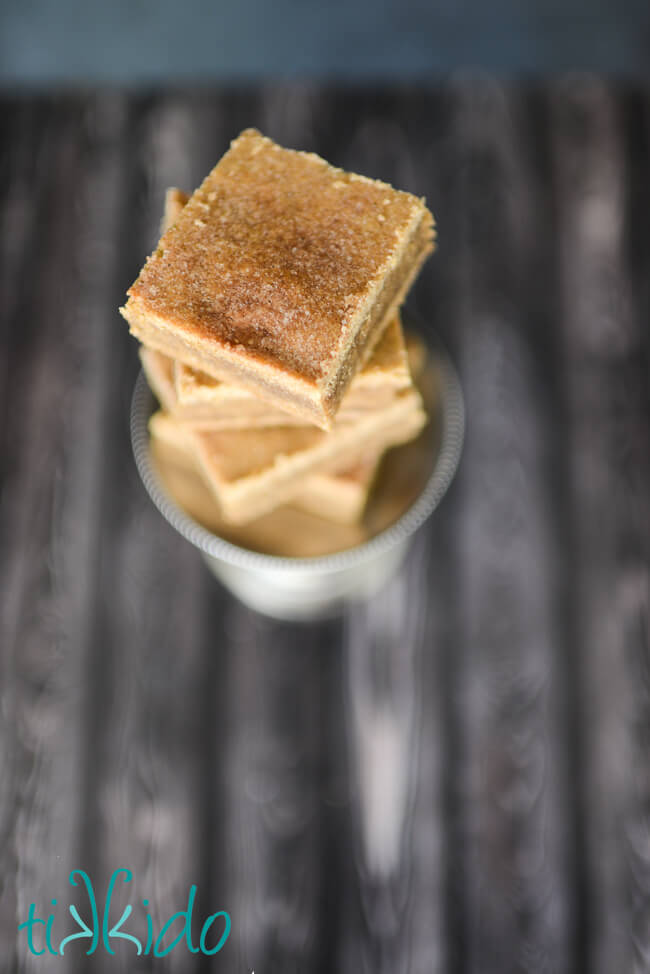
column 604, row 362
column 394, row 884
column 56, row 397
column 513, row 779
column 18, row 224
column 149, row 772
column 455, row 775
column 275, row 790
column 393, row 905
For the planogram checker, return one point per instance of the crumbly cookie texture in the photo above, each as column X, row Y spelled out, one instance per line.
column 205, row 403
column 386, row 369
column 280, row 274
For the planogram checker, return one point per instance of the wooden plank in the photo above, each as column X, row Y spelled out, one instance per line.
column 389, row 893
column 25, row 132
column 392, row 895
column 56, row 399
column 512, row 782
column 149, row 786
column 278, row 708
column 604, row 360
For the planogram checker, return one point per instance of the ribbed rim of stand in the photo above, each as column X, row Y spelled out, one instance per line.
column 451, row 442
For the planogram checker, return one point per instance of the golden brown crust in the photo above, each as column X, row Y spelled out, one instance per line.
column 280, row 257
column 207, row 404
column 387, row 370
column 290, row 392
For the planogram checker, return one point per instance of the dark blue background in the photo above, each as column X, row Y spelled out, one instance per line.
column 148, row 41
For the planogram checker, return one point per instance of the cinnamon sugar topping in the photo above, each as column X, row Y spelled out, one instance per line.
column 277, row 253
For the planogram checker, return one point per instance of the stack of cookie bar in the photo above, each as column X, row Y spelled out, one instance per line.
column 270, row 330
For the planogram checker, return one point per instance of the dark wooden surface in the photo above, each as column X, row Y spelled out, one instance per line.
column 454, row 777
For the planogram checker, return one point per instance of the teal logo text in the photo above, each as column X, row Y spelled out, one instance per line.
column 102, row 932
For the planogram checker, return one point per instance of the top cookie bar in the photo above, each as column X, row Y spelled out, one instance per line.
column 280, row 274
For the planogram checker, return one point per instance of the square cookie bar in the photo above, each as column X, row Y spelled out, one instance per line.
column 280, row 274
